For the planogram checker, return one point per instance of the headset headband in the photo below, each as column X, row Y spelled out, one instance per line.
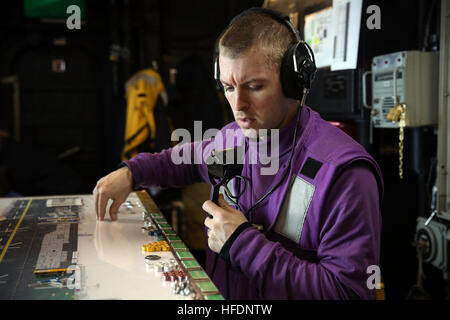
column 280, row 17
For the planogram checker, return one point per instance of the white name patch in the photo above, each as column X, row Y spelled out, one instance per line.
column 294, row 209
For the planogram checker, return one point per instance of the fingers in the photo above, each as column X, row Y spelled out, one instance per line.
column 225, row 221
column 102, row 202
column 210, row 207
column 222, row 202
column 95, row 192
column 212, row 244
column 215, row 210
column 208, row 223
column 212, row 240
column 98, row 196
column 207, row 205
column 116, row 186
column 114, row 209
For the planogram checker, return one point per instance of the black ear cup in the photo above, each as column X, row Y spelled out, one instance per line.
column 306, row 64
column 297, row 70
column 217, row 72
column 288, row 77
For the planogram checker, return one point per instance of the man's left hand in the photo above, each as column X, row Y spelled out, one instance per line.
column 225, row 221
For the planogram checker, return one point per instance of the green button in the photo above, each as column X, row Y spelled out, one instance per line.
column 173, row 238
column 156, row 215
column 198, row 274
column 179, row 245
column 183, row 255
column 214, row 297
column 160, row 220
column 165, row 226
column 206, row 286
column 168, row 232
column 191, row 264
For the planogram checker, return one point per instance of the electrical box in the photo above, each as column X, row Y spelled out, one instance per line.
column 436, row 238
column 407, row 77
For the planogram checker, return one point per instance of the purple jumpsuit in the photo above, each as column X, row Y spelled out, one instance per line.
column 321, row 226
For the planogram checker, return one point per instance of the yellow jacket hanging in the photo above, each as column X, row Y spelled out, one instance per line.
column 144, row 91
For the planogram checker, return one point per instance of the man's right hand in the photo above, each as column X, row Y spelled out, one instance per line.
column 115, row 186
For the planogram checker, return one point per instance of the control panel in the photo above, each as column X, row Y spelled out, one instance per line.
column 54, row 248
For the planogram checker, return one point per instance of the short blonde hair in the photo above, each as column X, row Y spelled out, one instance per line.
column 257, row 30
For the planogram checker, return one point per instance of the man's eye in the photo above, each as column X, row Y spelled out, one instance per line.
column 255, row 87
column 228, row 89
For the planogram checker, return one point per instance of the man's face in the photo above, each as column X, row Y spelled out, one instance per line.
column 254, row 92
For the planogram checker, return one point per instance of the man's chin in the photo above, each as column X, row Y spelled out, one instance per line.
column 250, row 133
column 257, row 134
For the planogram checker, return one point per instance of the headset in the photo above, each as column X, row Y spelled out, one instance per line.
column 298, row 66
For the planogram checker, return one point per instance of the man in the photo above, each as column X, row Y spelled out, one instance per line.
column 318, row 215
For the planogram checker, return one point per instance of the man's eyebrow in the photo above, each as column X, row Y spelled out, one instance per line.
column 246, row 82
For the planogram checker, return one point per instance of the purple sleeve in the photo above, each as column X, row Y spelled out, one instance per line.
column 174, row 167
column 350, row 242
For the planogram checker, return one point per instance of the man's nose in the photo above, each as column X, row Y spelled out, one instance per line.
column 239, row 101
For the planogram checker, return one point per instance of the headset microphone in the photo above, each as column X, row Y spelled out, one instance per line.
column 224, row 165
